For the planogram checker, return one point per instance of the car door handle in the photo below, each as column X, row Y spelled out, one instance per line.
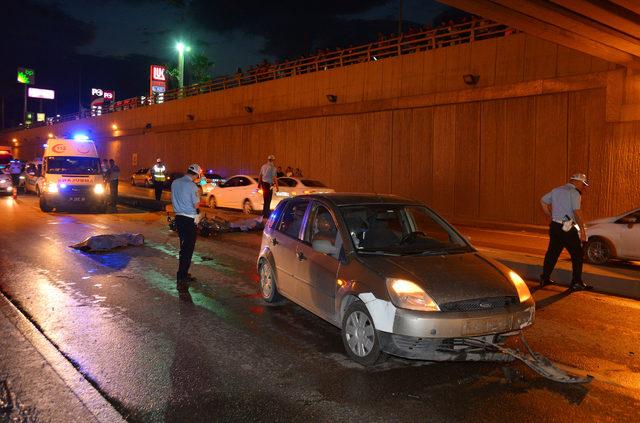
column 301, row 256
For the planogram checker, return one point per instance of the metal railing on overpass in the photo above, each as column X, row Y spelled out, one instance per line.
column 408, row 43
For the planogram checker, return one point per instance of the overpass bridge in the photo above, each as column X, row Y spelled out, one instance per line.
column 477, row 127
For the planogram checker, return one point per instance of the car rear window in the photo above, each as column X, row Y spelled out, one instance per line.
column 313, row 183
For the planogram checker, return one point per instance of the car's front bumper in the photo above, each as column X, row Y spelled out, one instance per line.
column 463, row 324
column 75, row 200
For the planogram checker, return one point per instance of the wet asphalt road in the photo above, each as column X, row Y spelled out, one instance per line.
column 228, row 356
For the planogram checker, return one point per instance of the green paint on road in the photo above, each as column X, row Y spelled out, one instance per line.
column 196, row 259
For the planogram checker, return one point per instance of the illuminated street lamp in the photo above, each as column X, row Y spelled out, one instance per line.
column 181, row 47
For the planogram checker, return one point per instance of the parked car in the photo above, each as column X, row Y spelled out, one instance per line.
column 392, row 274
column 209, row 180
column 33, row 176
column 172, row 177
column 240, row 192
column 6, row 183
column 142, row 177
column 298, row 186
column 616, row 237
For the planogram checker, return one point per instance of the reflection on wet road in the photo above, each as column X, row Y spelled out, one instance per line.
column 222, row 354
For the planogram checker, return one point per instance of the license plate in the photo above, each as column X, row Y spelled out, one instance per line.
column 488, row 325
column 76, row 198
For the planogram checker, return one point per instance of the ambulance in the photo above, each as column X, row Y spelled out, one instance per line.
column 71, row 176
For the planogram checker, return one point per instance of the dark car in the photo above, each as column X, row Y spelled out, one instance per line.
column 392, row 274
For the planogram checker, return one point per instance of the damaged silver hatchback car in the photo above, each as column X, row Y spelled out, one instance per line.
column 393, row 275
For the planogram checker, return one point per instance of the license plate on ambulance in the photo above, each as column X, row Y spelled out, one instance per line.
column 76, row 199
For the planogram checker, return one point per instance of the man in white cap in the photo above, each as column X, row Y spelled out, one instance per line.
column 185, row 200
column 566, row 229
column 267, row 181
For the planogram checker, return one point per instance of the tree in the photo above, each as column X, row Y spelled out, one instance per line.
column 197, row 69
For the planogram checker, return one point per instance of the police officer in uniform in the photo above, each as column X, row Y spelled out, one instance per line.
column 185, row 200
column 158, row 177
column 268, row 181
column 566, row 229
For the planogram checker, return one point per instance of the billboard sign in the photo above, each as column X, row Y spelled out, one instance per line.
column 41, row 93
column 26, row 76
column 157, row 81
column 101, row 98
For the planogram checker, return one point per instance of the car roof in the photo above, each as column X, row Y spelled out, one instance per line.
column 354, row 198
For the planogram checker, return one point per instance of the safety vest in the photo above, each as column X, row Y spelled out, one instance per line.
column 158, row 172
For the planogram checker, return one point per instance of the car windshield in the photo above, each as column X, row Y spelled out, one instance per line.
column 399, row 229
column 312, row 183
column 73, row 165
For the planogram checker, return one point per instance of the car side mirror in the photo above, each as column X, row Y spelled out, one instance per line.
column 323, row 246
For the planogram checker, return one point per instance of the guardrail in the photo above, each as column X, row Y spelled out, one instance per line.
column 442, row 36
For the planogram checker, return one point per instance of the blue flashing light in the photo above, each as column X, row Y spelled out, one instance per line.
column 63, row 186
column 81, row 137
column 44, row 145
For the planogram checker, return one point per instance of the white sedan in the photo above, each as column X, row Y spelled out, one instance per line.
column 241, row 192
column 299, row 186
column 614, row 237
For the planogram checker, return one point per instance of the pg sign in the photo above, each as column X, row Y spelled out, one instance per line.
column 101, row 98
column 157, row 82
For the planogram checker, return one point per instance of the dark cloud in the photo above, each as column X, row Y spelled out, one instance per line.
column 291, row 27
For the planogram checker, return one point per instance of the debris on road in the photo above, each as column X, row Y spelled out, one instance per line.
column 210, row 226
column 109, row 242
column 538, row 363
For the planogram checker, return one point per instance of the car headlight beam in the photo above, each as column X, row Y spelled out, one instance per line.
column 51, row 187
column 407, row 294
column 521, row 287
column 98, row 189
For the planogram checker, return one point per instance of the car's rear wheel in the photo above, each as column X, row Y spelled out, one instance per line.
column 359, row 335
column 268, row 288
column 598, row 251
column 212, row 202
column 247, row 207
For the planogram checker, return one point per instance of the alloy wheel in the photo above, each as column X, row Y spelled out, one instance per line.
column 360, row 334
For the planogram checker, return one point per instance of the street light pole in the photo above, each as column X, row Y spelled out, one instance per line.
column 181, row 49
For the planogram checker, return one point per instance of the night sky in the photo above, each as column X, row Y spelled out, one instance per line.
column 78, row 45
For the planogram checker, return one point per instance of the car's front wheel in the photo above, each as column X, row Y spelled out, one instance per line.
column 359, row 335
column 598, row 251
column 268, row 288
column 44, row 206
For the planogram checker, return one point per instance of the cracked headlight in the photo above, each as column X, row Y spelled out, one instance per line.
column 407, row 294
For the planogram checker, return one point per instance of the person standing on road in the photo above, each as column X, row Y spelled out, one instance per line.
column 15, row 169
column 105, row 169
column 566, row 229
column 185, row 200
column 112, row 176
column 268, row 182
column 158, row 177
